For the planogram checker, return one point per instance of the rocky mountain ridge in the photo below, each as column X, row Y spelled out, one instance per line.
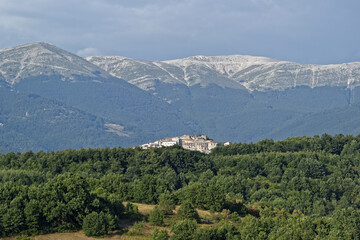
column 34, row 59
column 233, row 71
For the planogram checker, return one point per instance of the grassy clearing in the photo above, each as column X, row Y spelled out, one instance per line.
column 144, row 209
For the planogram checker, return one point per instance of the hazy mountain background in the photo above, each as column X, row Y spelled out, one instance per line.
column 247, row 98
column 110, row 104
column 52, row 99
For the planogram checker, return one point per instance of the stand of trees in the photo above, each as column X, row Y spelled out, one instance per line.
column 298, row 188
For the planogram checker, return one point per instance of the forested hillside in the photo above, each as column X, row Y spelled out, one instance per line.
column 298, row 188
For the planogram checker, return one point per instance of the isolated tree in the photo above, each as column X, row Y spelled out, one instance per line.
column 188, row 211
column 156, row 217
column 166, row 203
column 95, row 224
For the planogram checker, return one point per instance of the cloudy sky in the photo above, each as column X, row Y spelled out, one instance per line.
column 305, row 31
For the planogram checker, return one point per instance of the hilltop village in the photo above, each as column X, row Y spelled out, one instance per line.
column 199, row 143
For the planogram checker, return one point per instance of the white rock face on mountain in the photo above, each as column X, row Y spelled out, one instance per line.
column 140, row 73
column 235, row 71
column 29, row 60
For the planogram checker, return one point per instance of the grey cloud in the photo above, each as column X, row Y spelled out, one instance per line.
column 299, row 30
column 89, row 51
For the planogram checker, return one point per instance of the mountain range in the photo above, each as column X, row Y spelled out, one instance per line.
column 236, row 71
column 52, row 99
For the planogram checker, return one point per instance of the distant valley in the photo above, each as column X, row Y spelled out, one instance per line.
column 52, row 99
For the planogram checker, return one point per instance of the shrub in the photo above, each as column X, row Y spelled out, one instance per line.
column 166, row 203
column 159, row 235
column 226, row 214
column 184, row 230
column 188, row 211
column 156, row 217
column 132, row 211
column 137, row 229
column 22, row 237
column 95, row 224
column 207, row 234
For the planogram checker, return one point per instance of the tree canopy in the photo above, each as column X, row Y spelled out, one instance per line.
column 302, row 187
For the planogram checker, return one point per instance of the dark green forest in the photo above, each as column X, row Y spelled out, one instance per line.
column 298, row 188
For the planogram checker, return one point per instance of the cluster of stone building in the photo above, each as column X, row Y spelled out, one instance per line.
column 199, row 143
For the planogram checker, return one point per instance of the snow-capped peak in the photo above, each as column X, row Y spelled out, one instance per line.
column 234, row 71
column 45, row 59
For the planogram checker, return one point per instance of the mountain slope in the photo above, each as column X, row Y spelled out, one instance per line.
column 344, row 120
column 50, row 72
column 31, row 122
column 244, row 98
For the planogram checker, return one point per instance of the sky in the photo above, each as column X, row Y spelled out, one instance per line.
column 304, row 31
